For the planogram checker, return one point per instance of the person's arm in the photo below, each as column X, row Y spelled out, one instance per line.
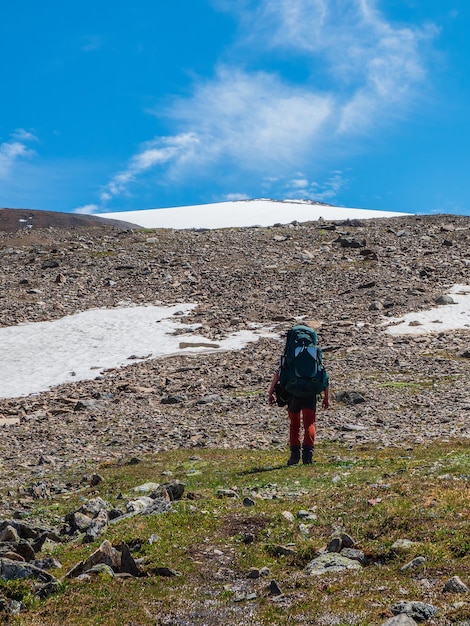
column 326, row 398
column 271, row 398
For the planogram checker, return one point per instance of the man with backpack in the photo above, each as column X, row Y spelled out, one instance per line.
column 300, row 378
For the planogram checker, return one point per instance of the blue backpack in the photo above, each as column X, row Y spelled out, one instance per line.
column 302, row 372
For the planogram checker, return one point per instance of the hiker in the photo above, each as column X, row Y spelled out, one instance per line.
column 297, row 382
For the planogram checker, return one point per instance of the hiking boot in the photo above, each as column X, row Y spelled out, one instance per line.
column 307, row 452
column 294, row 455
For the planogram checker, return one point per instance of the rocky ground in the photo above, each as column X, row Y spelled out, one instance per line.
column 348, row 277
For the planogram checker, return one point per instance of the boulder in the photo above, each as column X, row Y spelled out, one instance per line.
column 330, row 562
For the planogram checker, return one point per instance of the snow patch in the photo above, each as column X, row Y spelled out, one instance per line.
column 441, row 318
column 37, row 356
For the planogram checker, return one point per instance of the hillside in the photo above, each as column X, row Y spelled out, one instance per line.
column 12, row 220
column 347, row 276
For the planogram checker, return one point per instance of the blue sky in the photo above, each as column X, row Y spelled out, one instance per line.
column 112, row 106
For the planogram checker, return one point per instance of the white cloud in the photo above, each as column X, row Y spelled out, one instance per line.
column 13, row 151
column 299, row 183
column 324, row 191
column 234, row 197
column 21, row 134
column 152, row 153
column 87, row 209
column 373, row 67
column 256, row 120
column 242, row 122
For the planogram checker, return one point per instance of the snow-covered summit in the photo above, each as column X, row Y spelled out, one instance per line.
column 243, row 213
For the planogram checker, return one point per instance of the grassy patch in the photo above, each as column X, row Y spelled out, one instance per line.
column 213, row 537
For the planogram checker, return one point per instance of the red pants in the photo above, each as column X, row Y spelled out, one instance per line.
column 308, row 418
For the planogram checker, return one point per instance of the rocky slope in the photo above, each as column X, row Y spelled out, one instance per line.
column 12, row 220
column 347, row 276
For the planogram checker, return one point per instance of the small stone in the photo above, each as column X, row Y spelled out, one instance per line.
column 419, row 611
column 9, row 535
column 304, row 530
column 354, row 555
column 78, row 521
column 455, row 585
column 96, row 479
column 13, row 556
column 416, row 563
column 335, row 545
column 101, row 569
column 400, row 620
column 284, row 551
column 47, row 563
column 274, row 589
column 248, row 502
column 146, row 487
column 330, row 562
column 403, row 545
column 287, row 515
column 227, row 493
column 166, row 571
column 350, row 397
column 445, row 299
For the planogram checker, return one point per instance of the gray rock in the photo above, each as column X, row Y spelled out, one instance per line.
column 166, row 571
column 445, row 299
column 227, row 493
column 455, row 585
column 94, row 506
column 274, row 589
column 330, row 562
column 256, row 572
column 403, row 545
column 400, row 620
column 419, row 611
column 9, row 534
column 353, row 427
column 97, row 527
column 147, row 487
column 104, row 554
column 210, row 399
column 284, row 551
column 416, row 563
column 83, row 405
column 16, row 570
column 354, row 555
column 101, row 569
column 128, row 564
column 334, row 545
column 47, row 563
column 171, row 491
column 78, row 521
column 139, row 505
column 173, row 399
column 350, row 397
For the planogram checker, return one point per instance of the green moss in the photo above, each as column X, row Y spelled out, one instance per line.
column 213, row 542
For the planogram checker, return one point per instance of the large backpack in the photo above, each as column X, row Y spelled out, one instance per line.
column 302, row 372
